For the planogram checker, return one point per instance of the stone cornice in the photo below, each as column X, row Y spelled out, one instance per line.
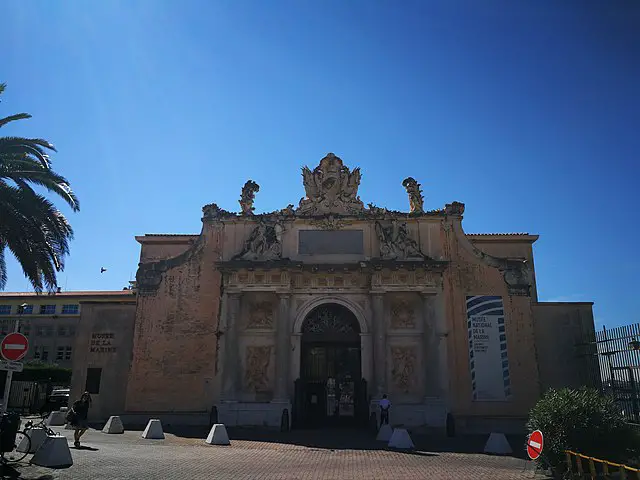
column 362, row 266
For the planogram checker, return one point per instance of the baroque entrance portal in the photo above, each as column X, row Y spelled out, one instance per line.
column 330, row 390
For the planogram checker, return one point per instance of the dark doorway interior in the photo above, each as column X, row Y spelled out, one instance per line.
column 330, row 390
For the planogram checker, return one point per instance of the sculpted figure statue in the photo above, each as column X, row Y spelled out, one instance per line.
column 248, row 196
column 395, row 242
column 416, row 200
column 264, row 243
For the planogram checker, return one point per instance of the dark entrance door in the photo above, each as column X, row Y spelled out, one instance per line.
column 330, row 391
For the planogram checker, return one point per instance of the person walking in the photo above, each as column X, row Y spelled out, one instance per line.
column 385, row 405
column 78, row 417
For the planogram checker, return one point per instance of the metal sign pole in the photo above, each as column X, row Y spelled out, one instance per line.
column 7, row 383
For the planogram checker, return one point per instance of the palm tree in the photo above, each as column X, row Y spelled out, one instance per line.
column 31, row 227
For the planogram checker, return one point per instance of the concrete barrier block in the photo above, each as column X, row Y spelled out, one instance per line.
column 218, row 435
column 400, row 439
column 497, row 444
column 37, row 436
column 153, row 431
column 385, row 432
column 114, row 425
column 57, row 419
column 53, row 453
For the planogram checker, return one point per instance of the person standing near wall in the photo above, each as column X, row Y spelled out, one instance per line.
column 77, row 417
column 385, row 405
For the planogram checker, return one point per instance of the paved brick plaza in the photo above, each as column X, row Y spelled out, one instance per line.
column 306, row 456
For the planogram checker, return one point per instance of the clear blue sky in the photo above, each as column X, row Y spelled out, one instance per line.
column 528, row 112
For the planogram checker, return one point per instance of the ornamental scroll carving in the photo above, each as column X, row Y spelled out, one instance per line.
column 404, row 366
column 248, row 196
column 416, row 200
column 264, row 243
column 395, row 242
column 256, row 374
column 402, row 315
column 260, row 315
column 330, row 188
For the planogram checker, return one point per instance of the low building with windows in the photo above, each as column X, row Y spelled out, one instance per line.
column 311, row 313
column 50, row 321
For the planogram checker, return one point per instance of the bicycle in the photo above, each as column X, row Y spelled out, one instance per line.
column 41, row 424
column 13, row 446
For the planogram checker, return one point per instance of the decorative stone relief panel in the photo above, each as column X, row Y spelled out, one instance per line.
column 402, row 314
column 404, row 361
column 327, row 280
column 260, row 315
column 256, row 375
column 417, row 278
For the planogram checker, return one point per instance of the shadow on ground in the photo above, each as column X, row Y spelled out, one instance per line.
column 9, row 471
column 352, row 439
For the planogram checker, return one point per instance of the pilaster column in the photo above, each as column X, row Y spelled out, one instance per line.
column 430, row 348
column 283, row 342
column 232, row 363
column 379, row 344
column 442, row 333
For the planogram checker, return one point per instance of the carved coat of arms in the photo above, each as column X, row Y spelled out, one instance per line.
column 331, row 188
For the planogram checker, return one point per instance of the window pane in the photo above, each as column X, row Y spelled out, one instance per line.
column 47, row 309
column 60, row 353
column 93, row 380
column 45, row 354
column 5, row 309
column 67, row 353
column 70, row 309
column 27, row 310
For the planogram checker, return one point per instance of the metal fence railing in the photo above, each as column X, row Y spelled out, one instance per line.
column 618, row 367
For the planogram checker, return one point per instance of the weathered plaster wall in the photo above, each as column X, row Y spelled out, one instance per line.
column 563, row 331
column 175, row 349
column 103, row 340
column 468, row 275
column 159, row 247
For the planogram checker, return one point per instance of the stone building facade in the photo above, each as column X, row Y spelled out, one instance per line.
column 312, row 313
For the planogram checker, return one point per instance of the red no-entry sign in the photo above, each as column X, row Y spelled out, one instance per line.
column 14, row 346
column 535, row 443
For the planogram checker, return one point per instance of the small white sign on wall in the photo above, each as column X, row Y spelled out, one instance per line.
column 488, row 356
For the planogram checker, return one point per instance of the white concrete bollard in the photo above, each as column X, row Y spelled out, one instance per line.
column 57, row 419
column 114, row 425
column 385, row 432
column 53, row 453
column 37, row 436
column 153, row 430
column 218, row 435
column 400, row 439
column 497, row 444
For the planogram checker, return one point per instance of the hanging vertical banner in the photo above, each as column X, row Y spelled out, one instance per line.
column 488, row 359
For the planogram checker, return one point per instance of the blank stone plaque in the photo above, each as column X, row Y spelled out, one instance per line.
column 331, row 242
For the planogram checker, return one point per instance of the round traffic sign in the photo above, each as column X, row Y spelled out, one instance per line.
column 535, row 444
column 14, row 346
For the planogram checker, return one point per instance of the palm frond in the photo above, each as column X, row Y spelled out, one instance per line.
column 35, row 232
column 13, row 118
column 26, row 170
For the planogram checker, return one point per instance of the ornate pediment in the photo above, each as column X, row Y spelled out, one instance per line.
column 331, row 188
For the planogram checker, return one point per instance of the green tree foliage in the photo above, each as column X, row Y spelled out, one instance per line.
column 583, row 421
column 31, row 227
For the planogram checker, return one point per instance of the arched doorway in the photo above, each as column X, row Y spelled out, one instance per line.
column 330, row 390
